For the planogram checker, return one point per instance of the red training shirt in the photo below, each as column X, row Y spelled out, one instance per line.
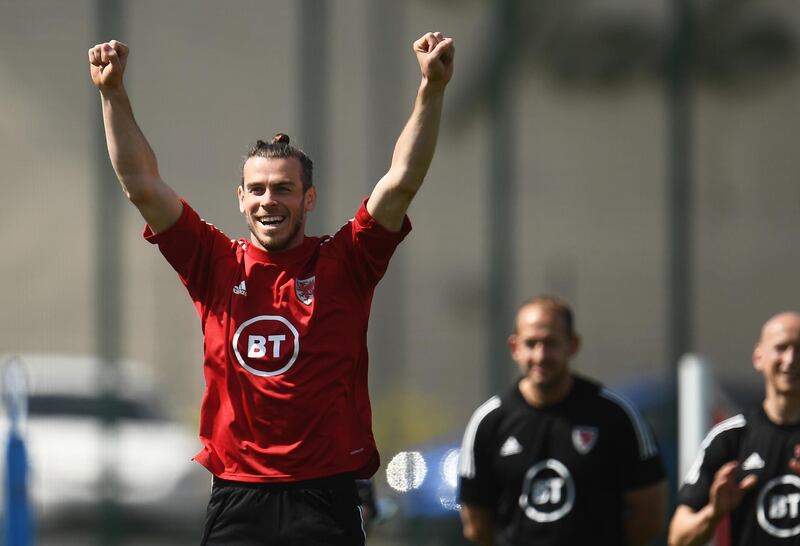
column 285, row 347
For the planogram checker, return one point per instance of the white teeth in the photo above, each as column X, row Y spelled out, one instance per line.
column 269, row 220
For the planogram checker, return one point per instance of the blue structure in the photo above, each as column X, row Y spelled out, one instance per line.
column 17, row 524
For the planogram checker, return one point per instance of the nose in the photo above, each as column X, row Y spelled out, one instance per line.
column 537, row 353
column 267, row 199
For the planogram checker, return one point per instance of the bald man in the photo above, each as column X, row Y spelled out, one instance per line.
column 558, row 459
column 748, row 467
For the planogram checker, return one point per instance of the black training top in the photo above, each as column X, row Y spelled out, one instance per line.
column 556, row 476
column 770, row 512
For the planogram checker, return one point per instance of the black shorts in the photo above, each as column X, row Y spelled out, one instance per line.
column 321, row 512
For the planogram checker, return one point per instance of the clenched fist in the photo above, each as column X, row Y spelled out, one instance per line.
column 435, row 56
column 107, row 64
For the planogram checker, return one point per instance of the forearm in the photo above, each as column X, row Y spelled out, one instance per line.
column 412, row 156
column 416, row 144
column 689, row 528
column 133, row 160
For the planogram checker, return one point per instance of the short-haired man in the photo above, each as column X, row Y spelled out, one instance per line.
column 285, row 421
column 748, row 466
column 558, row 460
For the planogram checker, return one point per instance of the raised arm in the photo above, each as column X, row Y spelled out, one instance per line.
column 414, row 149
column 131, row 156
column 693, row 528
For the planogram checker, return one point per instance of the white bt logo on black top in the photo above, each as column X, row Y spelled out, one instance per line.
column 778, row 506
column 266, row 345
column 548, row 492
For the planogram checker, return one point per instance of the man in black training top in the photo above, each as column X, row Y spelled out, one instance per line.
column 558, row 460
column 748, row 466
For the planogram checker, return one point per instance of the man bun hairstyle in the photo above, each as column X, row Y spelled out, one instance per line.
column 280, row 138
column 280, row 148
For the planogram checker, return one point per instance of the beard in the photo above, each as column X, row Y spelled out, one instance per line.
column 276, row 244
column 552, row 379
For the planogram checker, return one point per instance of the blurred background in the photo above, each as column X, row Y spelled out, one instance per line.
column 637, row 158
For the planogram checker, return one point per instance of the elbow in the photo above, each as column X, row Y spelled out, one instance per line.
column 479, row 533
column 140, row 182
column 690, row 528
column 470, row 533
column 406, row 194
column 673, row 540
column 408, row 180
column 476, row 527
column 138, row 196
column 140, row 190
column 406, row 191
column 473, row 535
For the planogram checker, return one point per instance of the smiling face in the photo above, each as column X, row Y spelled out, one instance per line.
column 273, row 202
column 542, row 348
column 777, row 355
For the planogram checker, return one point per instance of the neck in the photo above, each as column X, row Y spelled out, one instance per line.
column 781, row 409
column 539, row 396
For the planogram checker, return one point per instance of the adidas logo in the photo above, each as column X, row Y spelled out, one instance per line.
column 753, row 462
column 510, row 447
column 240, row 289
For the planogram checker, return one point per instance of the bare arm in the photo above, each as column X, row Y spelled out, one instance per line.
column 646, row 512
column 690, row 528
column 693, row 528
column 414, row 149
column 478, row 524
column 131, row 156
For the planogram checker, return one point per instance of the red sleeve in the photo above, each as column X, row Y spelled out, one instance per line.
column 370, row 244
column 190, row 246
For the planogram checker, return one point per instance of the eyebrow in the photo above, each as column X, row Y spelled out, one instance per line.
column 277, row 184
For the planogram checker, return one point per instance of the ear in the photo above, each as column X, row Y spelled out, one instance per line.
column 240, row 197
column 512, row 345
column 757, row 354
column 310, row 199
column 574, row 345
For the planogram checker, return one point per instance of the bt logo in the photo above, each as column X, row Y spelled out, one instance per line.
column 257, row 346
column 266, row 345
column 548, row 491
column 779, row 506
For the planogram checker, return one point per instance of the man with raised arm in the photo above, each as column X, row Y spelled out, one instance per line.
column 285, row 421
column 558, row 459
column 748, row 467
